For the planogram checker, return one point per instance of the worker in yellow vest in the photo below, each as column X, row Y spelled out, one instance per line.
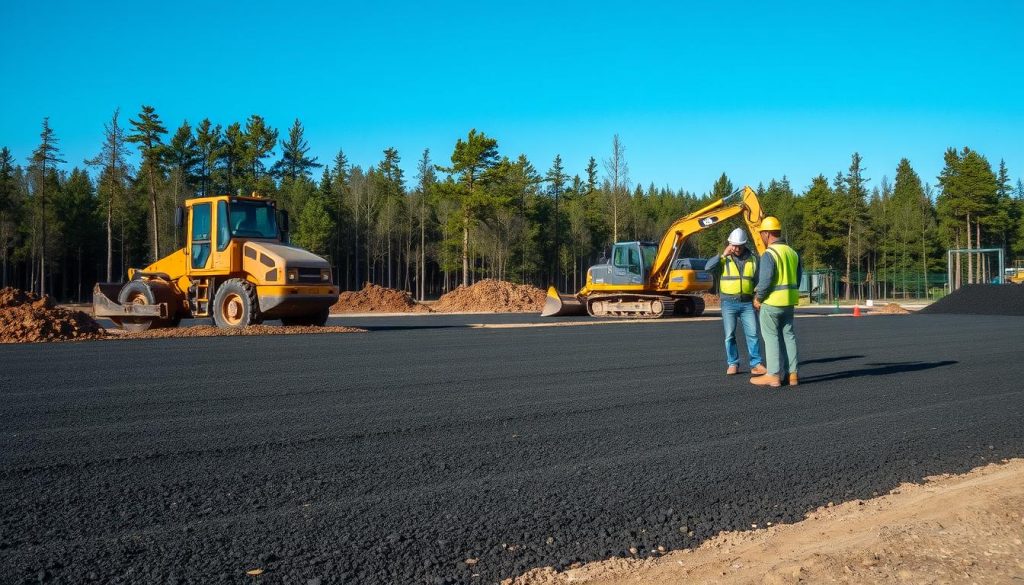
column 776, row 293
column 736, row 292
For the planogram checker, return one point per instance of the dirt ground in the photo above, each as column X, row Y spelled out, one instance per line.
column 950, row 529
column 489, row 295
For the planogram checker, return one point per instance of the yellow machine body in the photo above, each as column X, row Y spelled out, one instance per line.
column 234, row 239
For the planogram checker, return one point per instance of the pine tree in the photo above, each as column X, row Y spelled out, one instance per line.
column 425, row 179
column 9, row 208
column 556, row 179
column 618, row 176
column 148, row 132
column 115, row 173
column 258, row 143
column 591, row 176
column 315, row 224
column 209, row 147
column 43, row 161
column 855, row 212
column 294, row 161
column 185, row 161
column 471, row 159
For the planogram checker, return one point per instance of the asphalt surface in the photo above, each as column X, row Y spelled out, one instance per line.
column 394, row 456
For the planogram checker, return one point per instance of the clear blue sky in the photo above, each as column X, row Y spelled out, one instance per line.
column 757, row 90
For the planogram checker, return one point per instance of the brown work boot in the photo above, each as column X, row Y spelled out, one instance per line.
column 758, row 370
column 733, row 369
column 766, row 380
column 793, row 381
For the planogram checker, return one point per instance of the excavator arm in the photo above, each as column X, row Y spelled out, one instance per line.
column 742, row 202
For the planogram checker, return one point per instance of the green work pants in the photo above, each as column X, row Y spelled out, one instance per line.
column 776, row 326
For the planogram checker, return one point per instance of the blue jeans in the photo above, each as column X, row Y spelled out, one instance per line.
column 731, row 311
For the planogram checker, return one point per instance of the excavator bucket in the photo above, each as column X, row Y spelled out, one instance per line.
column 558, row 305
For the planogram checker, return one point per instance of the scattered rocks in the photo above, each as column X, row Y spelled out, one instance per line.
column 377, row 299
column 494, row 296
column 26, row 317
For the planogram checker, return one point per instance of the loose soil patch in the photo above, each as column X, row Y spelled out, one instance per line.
column 951, row 529
column 891, row 309
column 26, row 318
column 211, row 331
column 981, row 299
column 377, row 299
column 494, row 296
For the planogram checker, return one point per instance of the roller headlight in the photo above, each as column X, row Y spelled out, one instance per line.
column 293, row 275
column 325, row 275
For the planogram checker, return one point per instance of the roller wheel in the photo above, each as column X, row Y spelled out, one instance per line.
column 318, row 319
column 147, row 292
column 235, row 306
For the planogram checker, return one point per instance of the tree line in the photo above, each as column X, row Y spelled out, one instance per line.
column 472, row 214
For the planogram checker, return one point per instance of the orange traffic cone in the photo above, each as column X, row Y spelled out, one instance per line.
column 856, row 310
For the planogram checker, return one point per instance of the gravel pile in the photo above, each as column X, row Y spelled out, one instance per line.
column 377, row 299
column 981, row 299
column 26, row 318
column 496, row 296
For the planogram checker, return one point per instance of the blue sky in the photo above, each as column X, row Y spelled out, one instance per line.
column 757, row 90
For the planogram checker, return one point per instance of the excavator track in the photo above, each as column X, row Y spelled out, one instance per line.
column 632, row 306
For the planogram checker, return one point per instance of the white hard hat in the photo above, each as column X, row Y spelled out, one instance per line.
column 738, row 237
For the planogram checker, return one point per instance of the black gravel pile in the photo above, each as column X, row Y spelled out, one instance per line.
column 981, row 299
column 420, row 454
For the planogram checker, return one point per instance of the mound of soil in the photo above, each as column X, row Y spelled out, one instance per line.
column 377, row 299
column 211, row 331
column 495, row 296
column 711, row 300
column 891, row 309
column 26, row 317
column 981, row 299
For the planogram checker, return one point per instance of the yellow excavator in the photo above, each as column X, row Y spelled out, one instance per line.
column 1015, row 275
column 648, row 280
column 236, row 267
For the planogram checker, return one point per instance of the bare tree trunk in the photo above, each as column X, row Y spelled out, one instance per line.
column 154, row 218
column 465, row 248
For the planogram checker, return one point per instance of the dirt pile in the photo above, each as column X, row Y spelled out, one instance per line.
column 27, row 318
column 981, row 299
column 211, row 331
column 891, row 309
column 377, row 299
column 952, row 529
column 494, row 296
column 711, row 300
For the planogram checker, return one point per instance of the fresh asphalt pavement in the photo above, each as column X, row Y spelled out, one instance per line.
column 426, row 451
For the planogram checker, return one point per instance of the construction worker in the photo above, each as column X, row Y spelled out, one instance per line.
column 776, row 293
column 736, row 291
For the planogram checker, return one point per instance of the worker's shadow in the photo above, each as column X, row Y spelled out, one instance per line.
column 878, row 369
column 829, row 360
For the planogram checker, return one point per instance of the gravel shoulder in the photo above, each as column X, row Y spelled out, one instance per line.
column 950, row 529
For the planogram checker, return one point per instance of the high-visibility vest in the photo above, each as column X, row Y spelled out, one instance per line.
column 734, row 283
column 784, row 290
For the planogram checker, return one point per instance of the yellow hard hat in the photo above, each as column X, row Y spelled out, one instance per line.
column 771, row 224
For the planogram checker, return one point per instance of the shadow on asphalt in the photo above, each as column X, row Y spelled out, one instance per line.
column 831, row 359
column 880, row 369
